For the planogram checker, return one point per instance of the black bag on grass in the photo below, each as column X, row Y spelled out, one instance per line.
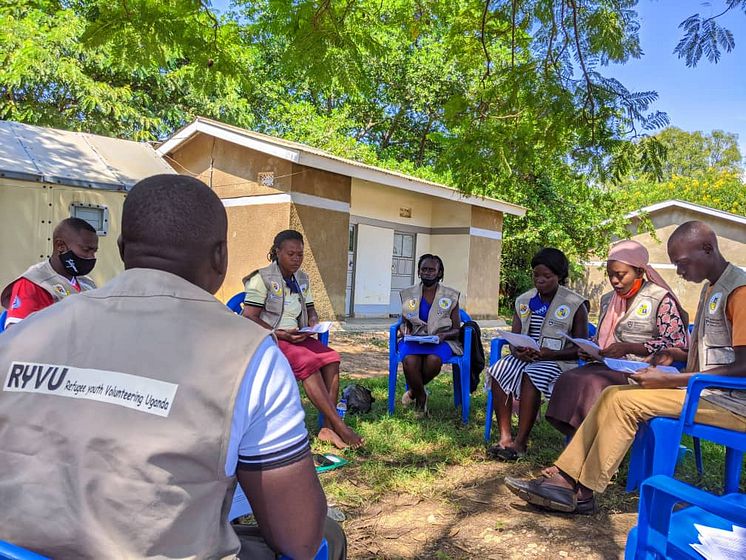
column 359, row 399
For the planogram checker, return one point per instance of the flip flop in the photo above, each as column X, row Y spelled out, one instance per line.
column 423, row 412
column 328, row 462
column 406, row 398
column 507, row 454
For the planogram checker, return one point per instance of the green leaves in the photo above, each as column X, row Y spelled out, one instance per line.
column 503, row 98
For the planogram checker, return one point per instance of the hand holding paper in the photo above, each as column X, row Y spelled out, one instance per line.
column 519, row 340
column 587, row 346
column 427, row 339
column 318, row 328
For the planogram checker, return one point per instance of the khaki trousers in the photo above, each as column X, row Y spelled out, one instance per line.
column 599, row 445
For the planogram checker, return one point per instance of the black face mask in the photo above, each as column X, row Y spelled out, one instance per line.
column 429, row 281
column 75, row 265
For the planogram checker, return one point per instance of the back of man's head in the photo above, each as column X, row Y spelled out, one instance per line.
column 693, row 249
column 177, row 224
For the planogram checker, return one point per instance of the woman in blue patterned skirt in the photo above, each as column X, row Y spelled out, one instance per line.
column 545, row 313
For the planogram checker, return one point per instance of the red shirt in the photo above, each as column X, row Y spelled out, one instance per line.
column 26, row 298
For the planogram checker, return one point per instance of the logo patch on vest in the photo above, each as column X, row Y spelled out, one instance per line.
column 445, row 303
column 643, row 310
column 60, row 290
column 523, row 310
column 276, row 288
column 412, row 303
column 563, row 311
column 111, row 387
column 16, row 303
column 304, row 288
column 714, row 303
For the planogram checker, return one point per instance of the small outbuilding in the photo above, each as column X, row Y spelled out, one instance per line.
column 47, row 175
column 665, row 217
column 364, row 226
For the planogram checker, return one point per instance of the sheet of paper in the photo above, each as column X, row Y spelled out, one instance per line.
column 519, row 340
column 319, row 328
column 240, row 506
column 427, row 339
column 587, row 346
column 720, row 544
column 630, row 366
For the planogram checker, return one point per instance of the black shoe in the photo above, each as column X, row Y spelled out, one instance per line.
column 586, row 507
column 549, row 496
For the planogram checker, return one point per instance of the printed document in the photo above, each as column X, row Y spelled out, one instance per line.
column 319, row 328
column 519, row 340
column 720, row 544
column 587, row 346
column 630, row 366
column 425, row 339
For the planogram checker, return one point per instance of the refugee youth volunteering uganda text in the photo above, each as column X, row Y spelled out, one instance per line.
column 112, row 387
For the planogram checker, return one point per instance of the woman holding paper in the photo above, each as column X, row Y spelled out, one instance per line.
column 546, row 314
column 278, row 297
column 428, row 309
column 640, row 316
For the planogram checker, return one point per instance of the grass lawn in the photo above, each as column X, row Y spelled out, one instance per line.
column 432, row 461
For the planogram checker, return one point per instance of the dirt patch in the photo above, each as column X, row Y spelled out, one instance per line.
column 364, row 354
column 477, row 517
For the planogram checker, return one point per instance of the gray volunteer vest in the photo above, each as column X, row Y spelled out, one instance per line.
column 557, row 321
column 712, row 343
column 439, row 318
column 274, row 304
column 137, row 468
column 640, row 322
column 43, row 275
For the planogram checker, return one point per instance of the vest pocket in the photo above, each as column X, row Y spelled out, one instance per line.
column 551, row 343
column 719, row 356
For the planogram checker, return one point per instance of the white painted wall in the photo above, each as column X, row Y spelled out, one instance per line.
column 372, row 200
column 373, row 266
column 454, row 250
column 423, row 245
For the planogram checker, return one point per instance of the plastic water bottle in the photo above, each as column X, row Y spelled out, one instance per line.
column 342, row 407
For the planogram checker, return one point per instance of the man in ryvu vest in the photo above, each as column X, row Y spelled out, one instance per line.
column 718, row 347
column 74, row 255
column 128, row 412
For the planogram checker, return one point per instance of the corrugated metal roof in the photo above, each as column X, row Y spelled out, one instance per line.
column 79, row 159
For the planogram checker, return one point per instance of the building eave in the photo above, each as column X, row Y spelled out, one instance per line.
column 318, row 159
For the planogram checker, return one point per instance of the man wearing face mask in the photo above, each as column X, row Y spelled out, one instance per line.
column 75, row 244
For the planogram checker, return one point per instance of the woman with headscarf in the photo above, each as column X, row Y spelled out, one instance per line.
column 546, row 313
column 640, row 316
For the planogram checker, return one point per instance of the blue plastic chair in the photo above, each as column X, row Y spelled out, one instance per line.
column 12, row 552
column 656, row 445
column 660, row 533
column 496, row 349
column 3, row 316
column 461, row 382
column 322, row 554
column 240, row 507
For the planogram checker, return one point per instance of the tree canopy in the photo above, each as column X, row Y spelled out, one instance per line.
column 506, row 98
